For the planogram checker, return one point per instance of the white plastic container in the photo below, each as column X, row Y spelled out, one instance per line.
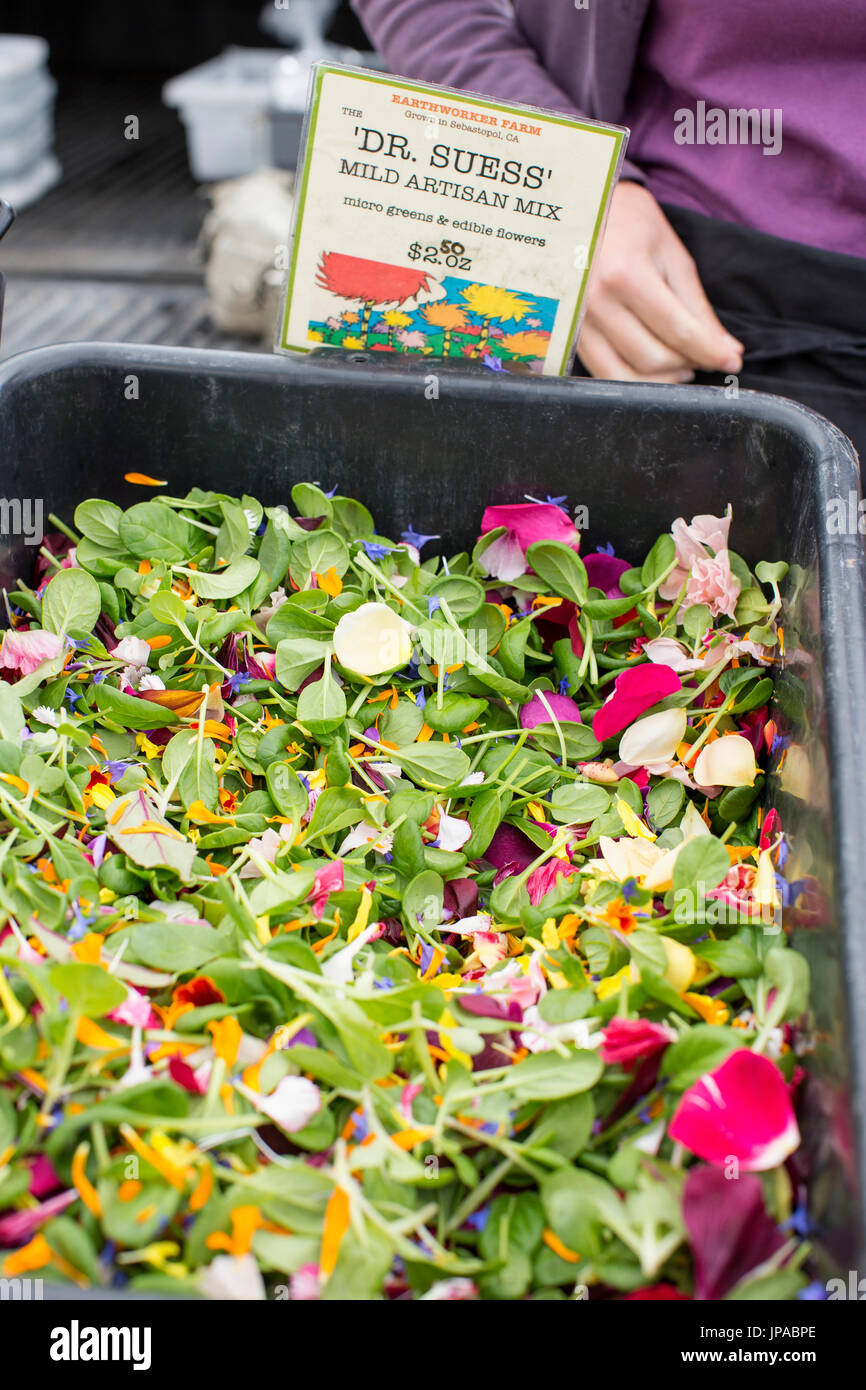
column 27, row 165
column 225, row 106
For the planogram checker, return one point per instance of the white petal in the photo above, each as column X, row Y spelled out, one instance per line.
column 653, row 739
column 453, row 832
column 372, row 640
column 232, row 1277
column 504, row 558
column 133, row 650
column 727, row 762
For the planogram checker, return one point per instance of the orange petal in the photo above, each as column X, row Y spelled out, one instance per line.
column 226, row 1033
column 36, row 1254
column 553, row 1243
column 80, row 1181
column 335, row 1227
column 144, row 480
column 198, row 812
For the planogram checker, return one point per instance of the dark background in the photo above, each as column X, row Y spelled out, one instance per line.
column 160, row 36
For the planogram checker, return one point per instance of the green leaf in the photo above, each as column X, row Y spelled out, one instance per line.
column 769, row 573
column 316, row 554
column 100, row 522
column 168, row 608
column 351, row 519
column 464, row 596
column 565, row 1125
column 176, row 946
column 565, row 1005
column 664, row 802
column 227, row 583
column 701, row 865
column 581, row 743
column 336, row 809
column 11, row 714
column 455, row 713
column 547, row 1076
column 139, row 829
column 432, row 764
column 659, row 561
column 310, row 500
column 597, row 608
column 703, row 1048
column 578, row 803
column 788, row 972
column 287, row 791
column 198, row 781
column 298, row 658
column 733, row 957
column 130, row 712
column 153, row 531
column 560, row 568
column 697, row 620
column 485, row 814
column 71, row 603
column 422, row 901
column 322, row 706
column 88, row 989
column 233, row 538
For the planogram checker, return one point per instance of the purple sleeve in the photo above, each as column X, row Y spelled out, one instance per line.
column 471, row 44
column 475, row 45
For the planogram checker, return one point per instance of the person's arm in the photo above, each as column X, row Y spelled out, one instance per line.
column 475, row 45
column 647, row 317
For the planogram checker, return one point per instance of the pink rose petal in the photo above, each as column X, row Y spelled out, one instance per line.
column 741, row 1111
column 635, row 691
column 627, row 1040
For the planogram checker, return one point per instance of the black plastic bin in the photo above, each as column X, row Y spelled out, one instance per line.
column 425, row 445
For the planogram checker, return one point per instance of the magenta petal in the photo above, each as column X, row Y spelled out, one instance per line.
column 327, row 881
column 628, row 1039
column 529, row 522
column 740, row 1111
column 43, row 1176
column 510, row 846
column 726, row 1251
column 538, row 712
column 17, row 1227
column 634, row 692
column 604, row 572
column 545, row 878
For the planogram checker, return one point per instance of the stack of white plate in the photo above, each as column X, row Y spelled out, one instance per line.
column 28, row 167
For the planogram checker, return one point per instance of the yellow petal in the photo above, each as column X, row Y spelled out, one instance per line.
column 681, row 964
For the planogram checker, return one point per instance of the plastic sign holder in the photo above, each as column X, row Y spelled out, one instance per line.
column 435, row 223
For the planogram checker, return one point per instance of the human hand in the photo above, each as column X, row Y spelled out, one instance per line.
column 647, row 316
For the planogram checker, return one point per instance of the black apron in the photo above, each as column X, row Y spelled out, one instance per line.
column 800, row 311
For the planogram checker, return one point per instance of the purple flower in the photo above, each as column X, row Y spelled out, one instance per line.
column 97, row 849
column 433, row 606
column 116, row 769
column 375, row 551
column 416, row 538
column 234, row 683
